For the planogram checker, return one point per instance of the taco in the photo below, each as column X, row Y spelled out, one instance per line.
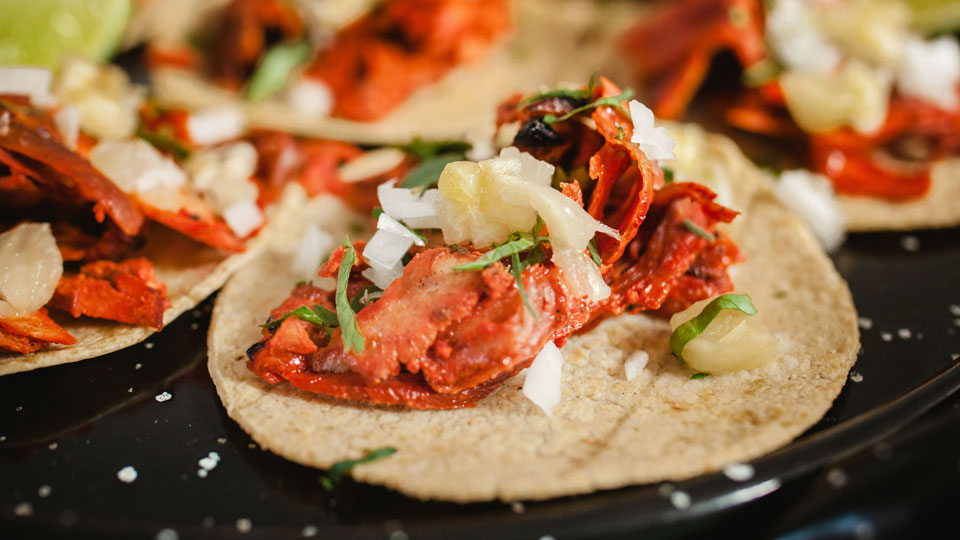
column 116, row 216
column 851, row 88
column 404, row 69
column 415, row 320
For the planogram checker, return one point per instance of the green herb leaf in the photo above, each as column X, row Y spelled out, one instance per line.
column 350, row 330
column 318, row 316
column 274, row 69
column 560, row 92
column 667, row 176
column 592, row 246
column 507, row 249
column 356, row 303
column 517, row 270
column 164, row 142
column 613, row 101
column 695, row 229
column 424, row 150
column 697, row 376
column 462, row 250
column 695, row 326
column 340, row 468
column 427, row 173
column 620, row 132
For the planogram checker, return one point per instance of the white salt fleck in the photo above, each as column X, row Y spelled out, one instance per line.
column 197, row 314
column 221, row 440
column 953, row 356
column 309, row 531
column 52, row 446
column 886, row 336
column 635, row 363
column 44, row 491
column 518, row 507
column 680, row 500
column 127, row 474
column 919, row 335
column 955, row 309
column 208, row 522
column 251, row 446
column 904, row 333
column 244, row 525
column 148, row 345
column 19, row 408
column 138, row 366
column 400, row 535
column 738, row 472
column 910, row 243
column 202, row 473
column 865, row 323
column 956, row 322
column 666, row 489
column 547, row 537
column 130, row 390
column 194, row 326
column 3, row 438
column 856, row 376
column 836, row 478
column 165, row 396
column 167, row 534
column 209, row 463
column 23, row 509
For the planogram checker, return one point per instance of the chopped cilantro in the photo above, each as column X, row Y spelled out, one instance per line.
column 274, row 69
column 667, row 175
column 700, row 375
column 695, row 229
column 459, row 248
column 317, row 315
column 350, row 330
column 612, row 101
column 164, row 142
column 620, row 132
column 695, row 326
column 424, row 150
column 592, row 246
column 340, row 468
column 433, row 157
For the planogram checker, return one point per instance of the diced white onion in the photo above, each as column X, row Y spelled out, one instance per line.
column 370, row 164
column 314, row 245
column 797, row 40
column 68, row 122
column 30, row 267
column 386, row 249
column 654, row 141
column 931, row 71
column 223, row 174
column 243, row 217
column 108, row 103
column 310, row 97
column 811, row 197
column 382, row 277
column 402, row 204
column 136, row 166
column 857, row 95
column 216, row 125
column 387, row 223
column 871, row 30
column 635, row 363
column 32, row 82
column 543, row 380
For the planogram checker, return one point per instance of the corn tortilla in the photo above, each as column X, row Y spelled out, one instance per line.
column 607, row 432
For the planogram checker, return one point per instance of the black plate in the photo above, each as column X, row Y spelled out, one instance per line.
column 66, row 431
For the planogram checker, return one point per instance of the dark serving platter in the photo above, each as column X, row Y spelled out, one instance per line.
column 883, row 463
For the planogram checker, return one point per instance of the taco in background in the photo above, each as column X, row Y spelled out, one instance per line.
column 404, row 69
column 867, row 100
column 575, row 236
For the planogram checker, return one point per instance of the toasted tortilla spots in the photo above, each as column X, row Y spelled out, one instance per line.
column 940, row 207
column 607, row 432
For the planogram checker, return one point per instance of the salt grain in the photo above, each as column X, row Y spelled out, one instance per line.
column 194, row 326
column 208, row 522
column 244, row 525
column 127, row 474
column 138, row 366
column 955, row 309
column 202, row 473
column 23, row 509
column 130, row 390
column 836, row 478
column 309, row 531
column 856, row 376
column 148, row 345
column 44, row 491
column 222, row 440
column 52, row 446
column 165, row 396
column 886, row 336
column 738, row 472
column 865, row 323
column 910, row 243
column 518, row 507
column 904, row 333
column 167, row 534
column 680, row 500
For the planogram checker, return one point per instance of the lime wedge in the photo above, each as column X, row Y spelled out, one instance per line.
column 43, row 32
column 935, row 16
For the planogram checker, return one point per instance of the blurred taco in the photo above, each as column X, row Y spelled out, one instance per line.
column 409, row 344
column 402, row 69
column 865, row 93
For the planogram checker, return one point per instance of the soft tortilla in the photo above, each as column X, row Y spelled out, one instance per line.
column 940, row 207
column 191, row 272
column 553, row 41
column 607, row 432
